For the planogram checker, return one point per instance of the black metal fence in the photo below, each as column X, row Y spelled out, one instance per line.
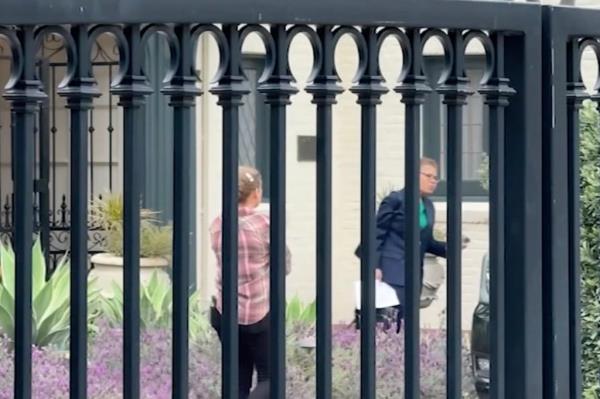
column 532, row 90
column 51, row 201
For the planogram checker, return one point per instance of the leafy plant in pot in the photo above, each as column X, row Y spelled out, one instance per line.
column 155, row 243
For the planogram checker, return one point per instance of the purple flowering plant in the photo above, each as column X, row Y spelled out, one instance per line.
column 51, row 381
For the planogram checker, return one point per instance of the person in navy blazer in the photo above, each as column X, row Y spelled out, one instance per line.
column 391, row 254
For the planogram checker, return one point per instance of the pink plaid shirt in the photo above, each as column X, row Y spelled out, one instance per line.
column 253, row 264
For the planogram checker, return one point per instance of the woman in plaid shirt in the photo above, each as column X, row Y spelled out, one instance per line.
column 253, row 284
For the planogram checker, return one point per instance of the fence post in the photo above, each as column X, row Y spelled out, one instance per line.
column 523, row 222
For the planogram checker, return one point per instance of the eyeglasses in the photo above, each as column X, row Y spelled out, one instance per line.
column 431, row 177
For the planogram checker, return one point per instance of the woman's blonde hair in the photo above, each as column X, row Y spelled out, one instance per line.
column 249, row 181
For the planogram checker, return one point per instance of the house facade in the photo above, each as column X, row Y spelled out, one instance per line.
column 301, row 173
column 301, row 167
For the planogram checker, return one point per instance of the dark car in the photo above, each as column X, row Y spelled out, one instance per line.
column 480, row 338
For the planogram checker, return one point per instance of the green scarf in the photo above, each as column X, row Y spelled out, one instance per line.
column 422, row 215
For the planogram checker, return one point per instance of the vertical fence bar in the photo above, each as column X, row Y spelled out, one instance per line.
column 13, row 168
column 44, row 167
column 2, row 134
column 53, row 131
column 324, row 89
column 182, row 91
column 230, row 89
column 79, row 94
column 369, row 90
column 110, row 130
column 575, row 95
column 7, row 216
column 1, row 179
column 413, row 89
column 455, row 92
column 277, row 90
column 496, row 93
column 91, row 130
column 25, row 96
column 132, row 91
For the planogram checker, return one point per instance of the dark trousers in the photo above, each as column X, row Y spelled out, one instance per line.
column 253, row 354
column 401, row 293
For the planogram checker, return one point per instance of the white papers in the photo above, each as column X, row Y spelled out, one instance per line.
column 385, row 295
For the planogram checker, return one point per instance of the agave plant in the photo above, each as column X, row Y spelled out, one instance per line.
column 50, row 298
column 156, row 307
column 296, row 312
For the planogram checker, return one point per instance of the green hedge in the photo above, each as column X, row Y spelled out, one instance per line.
column 590, row 248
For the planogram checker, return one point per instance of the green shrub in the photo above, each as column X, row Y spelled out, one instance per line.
column 483, row 171
column 590, row 245
column 590, row 248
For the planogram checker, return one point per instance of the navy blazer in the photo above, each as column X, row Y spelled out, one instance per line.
column 391, row 256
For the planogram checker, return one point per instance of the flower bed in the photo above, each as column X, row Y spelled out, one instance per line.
column 50, row 369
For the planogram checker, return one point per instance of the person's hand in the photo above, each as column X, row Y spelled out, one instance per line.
column 465, row 241
column 378, row 274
